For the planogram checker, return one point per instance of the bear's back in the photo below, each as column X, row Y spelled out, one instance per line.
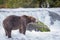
column 12, row 21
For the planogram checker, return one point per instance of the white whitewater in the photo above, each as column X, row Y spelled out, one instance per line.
column 41, row 14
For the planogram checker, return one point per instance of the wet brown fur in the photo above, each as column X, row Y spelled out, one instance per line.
column 16, row 22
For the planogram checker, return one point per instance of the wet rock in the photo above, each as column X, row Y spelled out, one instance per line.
column 53, row 17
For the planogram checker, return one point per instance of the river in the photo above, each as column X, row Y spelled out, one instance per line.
column 49, row 16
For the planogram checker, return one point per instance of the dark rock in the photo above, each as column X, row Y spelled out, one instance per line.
column 53, row 17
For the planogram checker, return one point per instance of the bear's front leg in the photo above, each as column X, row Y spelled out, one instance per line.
column 21, row 29
column 24, row 30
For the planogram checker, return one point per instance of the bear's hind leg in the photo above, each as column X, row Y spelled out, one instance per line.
column 24, row 30
column 6, row 32
column 9, row 34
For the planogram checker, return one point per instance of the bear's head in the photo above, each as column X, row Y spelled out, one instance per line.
column 29, row 18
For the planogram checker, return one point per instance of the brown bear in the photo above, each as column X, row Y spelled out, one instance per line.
column 14, row 22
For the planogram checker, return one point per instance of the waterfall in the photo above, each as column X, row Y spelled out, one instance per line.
column 49, row 16
column 43, row 14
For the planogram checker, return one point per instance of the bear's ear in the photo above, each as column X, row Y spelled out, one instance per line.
column 25, row 16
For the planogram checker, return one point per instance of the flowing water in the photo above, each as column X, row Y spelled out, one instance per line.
column 49, row 16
